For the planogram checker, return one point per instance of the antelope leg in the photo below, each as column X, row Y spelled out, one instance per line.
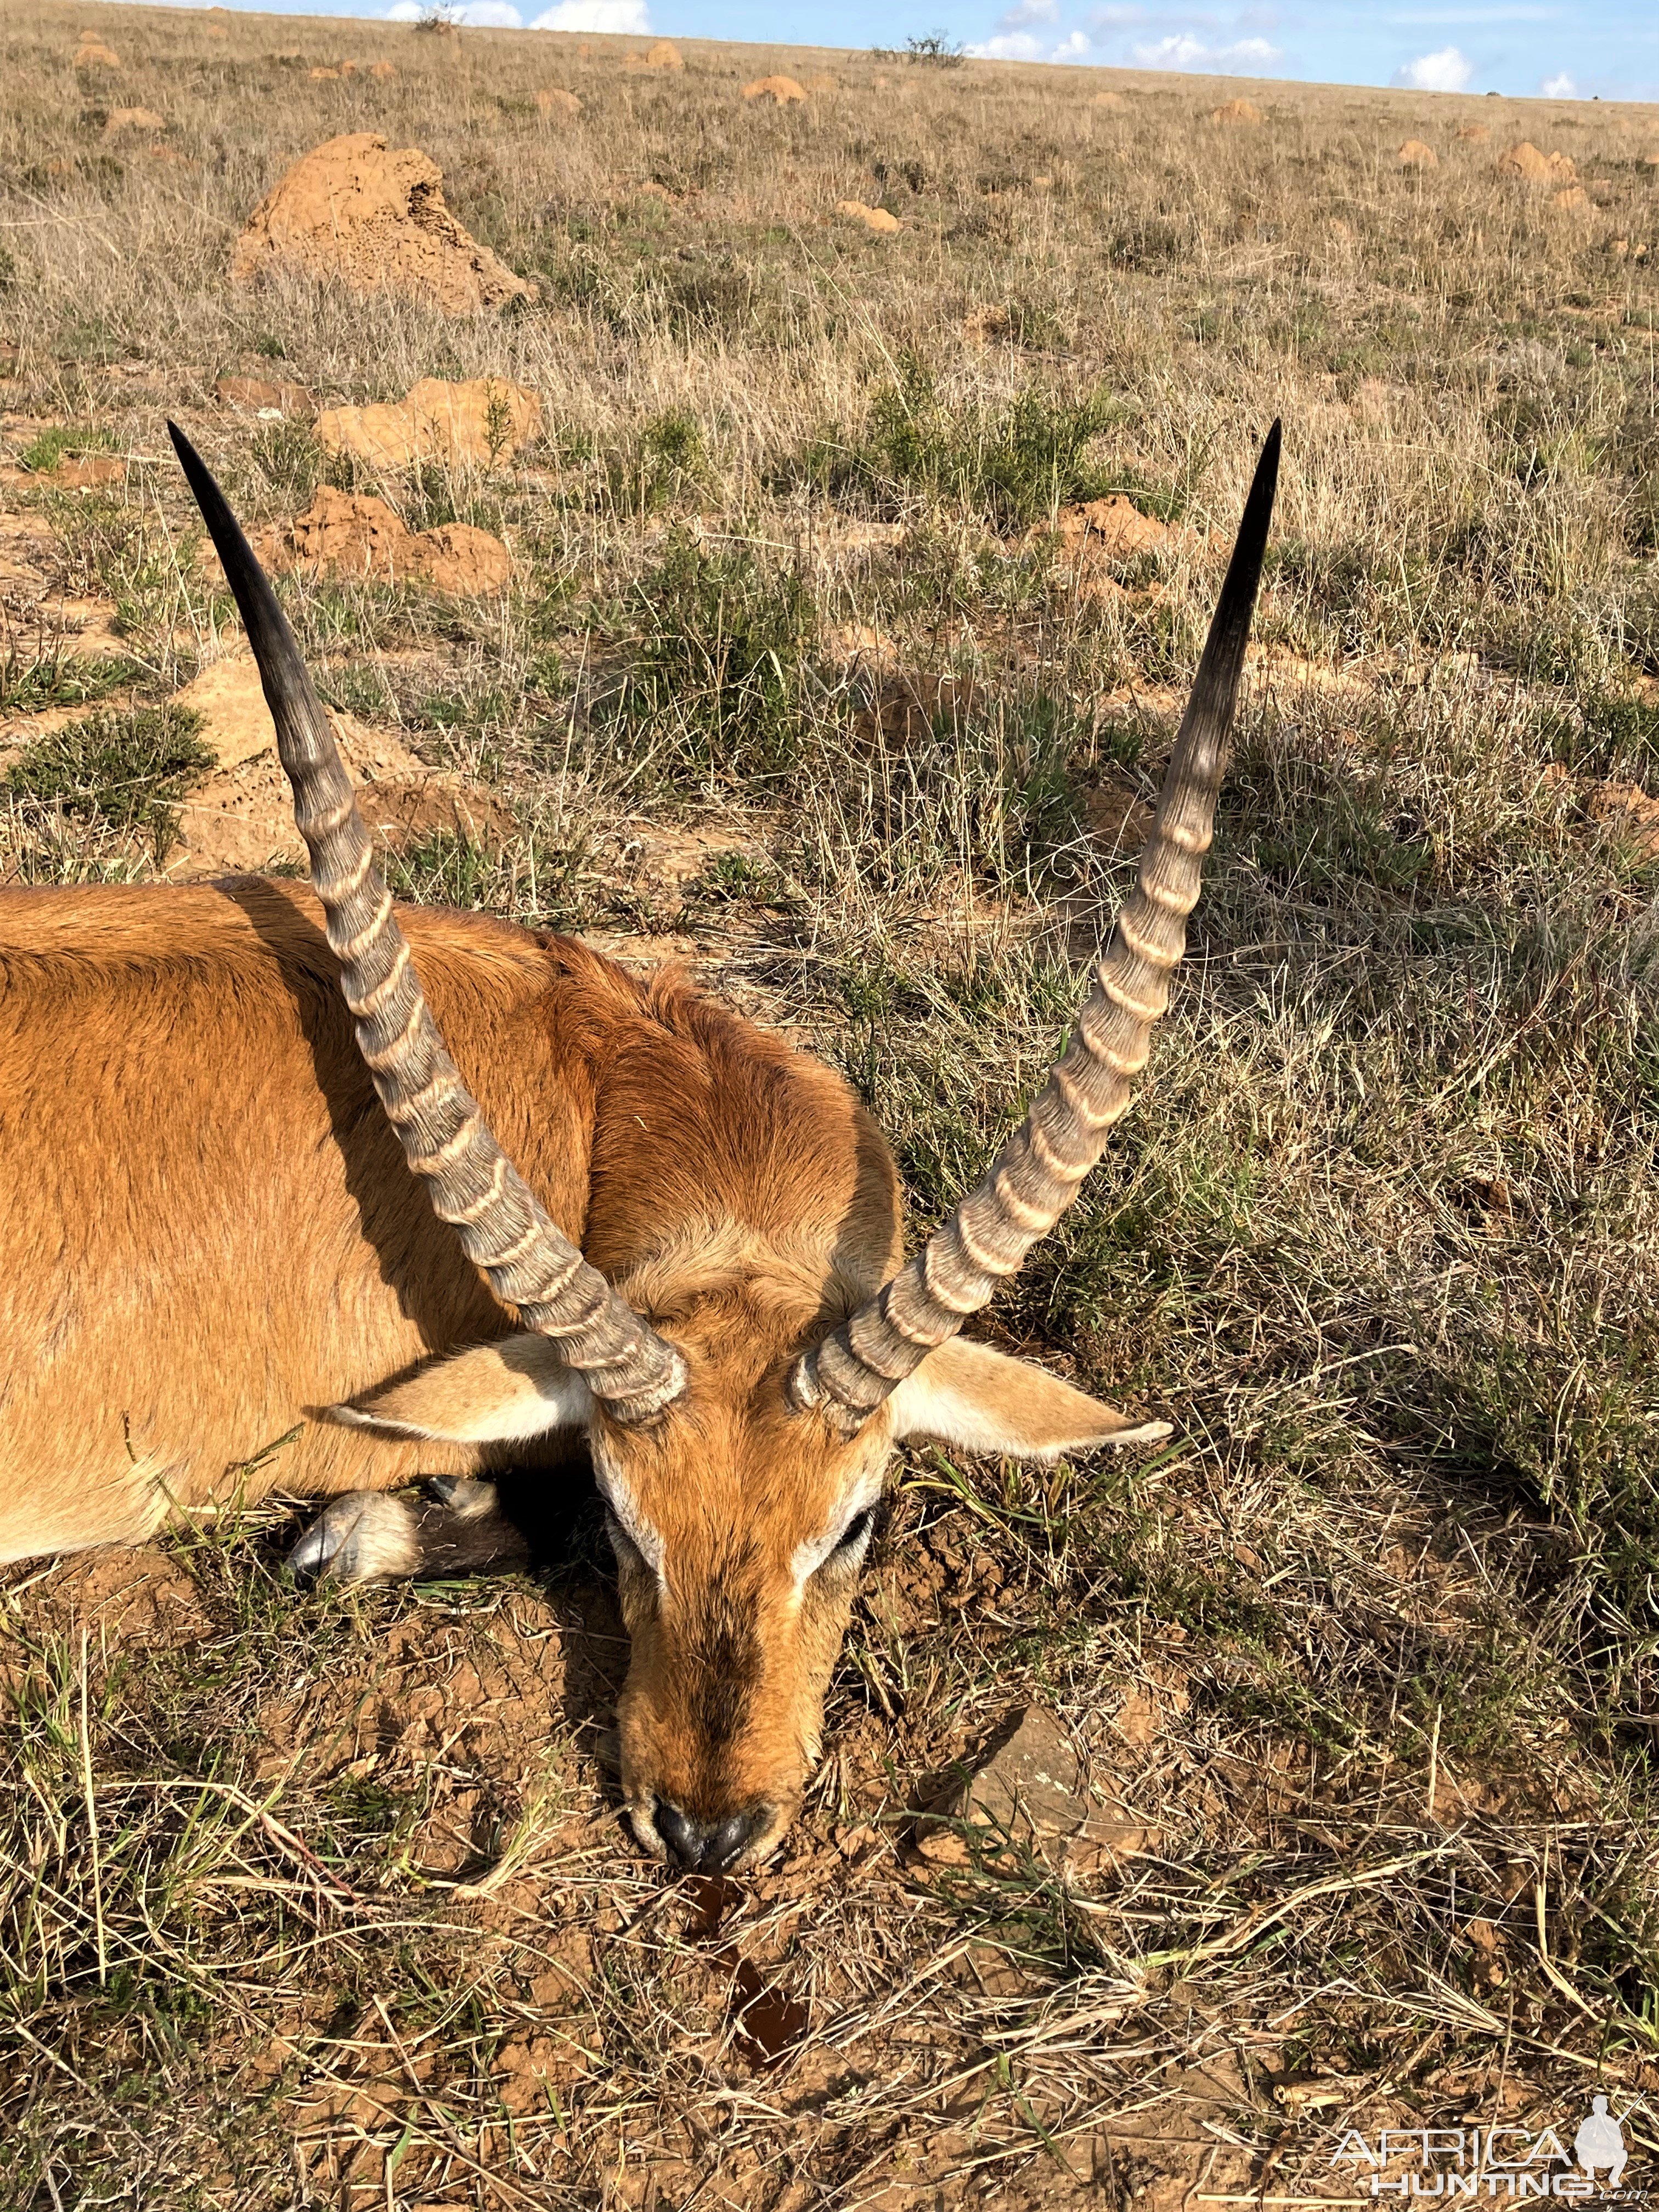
column 455, row 1526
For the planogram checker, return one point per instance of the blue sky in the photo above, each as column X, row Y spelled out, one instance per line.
column 1522, row 47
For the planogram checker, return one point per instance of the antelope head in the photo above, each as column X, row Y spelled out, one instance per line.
column 740, row 1425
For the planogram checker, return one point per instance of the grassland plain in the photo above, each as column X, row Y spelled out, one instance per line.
column 812, row 675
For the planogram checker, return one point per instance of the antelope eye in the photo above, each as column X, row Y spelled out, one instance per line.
column 854, row 1536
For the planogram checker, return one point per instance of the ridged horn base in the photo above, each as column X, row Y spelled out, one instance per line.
column 1040, row 1169
column 529, row 1263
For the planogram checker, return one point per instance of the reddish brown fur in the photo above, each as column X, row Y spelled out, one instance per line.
column 210, row 1235
column 765, row 1480
column 206, row 1223
column 209, row 1232
column 208, row 1229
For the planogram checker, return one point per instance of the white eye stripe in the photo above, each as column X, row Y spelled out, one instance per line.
column 811, row 1556
column 854, row 1539
column 628, row 1517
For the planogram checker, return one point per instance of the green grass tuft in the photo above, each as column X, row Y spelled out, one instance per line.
column 124, row 767
column 44, row 451
column 1012, row 465
column 50, row 677
column 716, row 684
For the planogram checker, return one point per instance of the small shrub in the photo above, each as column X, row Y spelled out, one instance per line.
column 730, row 879
column 466, row 724
column 712, row 295
column 125, row 767
column 908, row 173
column 1607, row 733
column 1331, row 835
column 354, row 688
column 576, row 272
column 1638, row 447
column 448, row 868
column 1352, row 598
column 112, row 548
column 49, row 677
column 659, row 466
column 931, row 49
column 1638, row 617
column 719, row 671
column 1038, row 330
column 1152, row 243
column 1013, row 466
column 432, row 501
column 287, row 459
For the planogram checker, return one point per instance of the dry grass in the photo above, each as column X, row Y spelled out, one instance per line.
column 309, row 1899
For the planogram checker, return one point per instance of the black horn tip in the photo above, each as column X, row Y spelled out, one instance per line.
column 190, row 461
column 268, row 631
column 199, row 478
column 1258, row 507
column 1238, row 589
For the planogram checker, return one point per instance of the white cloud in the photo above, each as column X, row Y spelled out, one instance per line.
column 1009, row 46
column 1558, row 87
column 1240, row 40
column 1016, row 45
column 630, row 18
column 1181, row 50
column 1449, row 71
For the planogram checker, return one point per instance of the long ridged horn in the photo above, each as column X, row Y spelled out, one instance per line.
column 530, row 1262
column 1039, row 1170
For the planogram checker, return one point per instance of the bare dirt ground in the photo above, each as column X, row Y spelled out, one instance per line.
column 848, row 575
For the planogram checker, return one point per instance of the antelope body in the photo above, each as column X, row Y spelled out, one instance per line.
column 427, row 1195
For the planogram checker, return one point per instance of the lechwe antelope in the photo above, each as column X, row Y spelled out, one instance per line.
column 617, row 1209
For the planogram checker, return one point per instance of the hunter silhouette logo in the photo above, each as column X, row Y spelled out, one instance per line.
column 1601, row 2142
column 1496, row 2161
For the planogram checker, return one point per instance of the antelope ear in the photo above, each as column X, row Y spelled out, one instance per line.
column 495, row 1394
column 981, row 1400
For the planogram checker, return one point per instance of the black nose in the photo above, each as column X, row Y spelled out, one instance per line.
column 706, row 1846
